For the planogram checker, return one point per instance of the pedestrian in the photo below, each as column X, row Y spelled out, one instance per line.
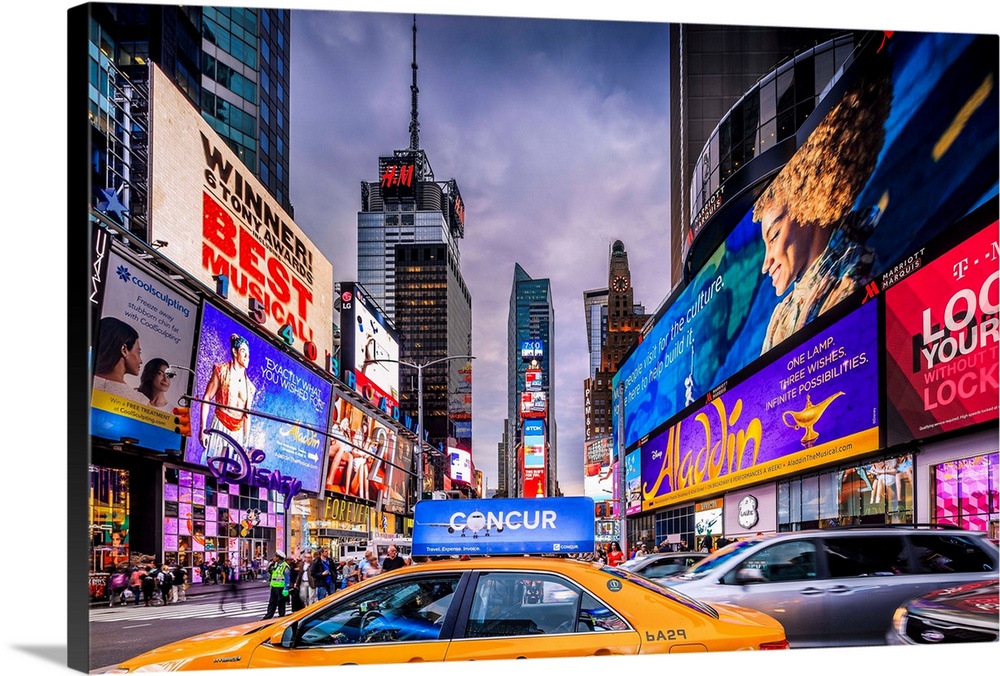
column 234, row 591
column 117, row 584
column 392, row 560
column 135, row 583
column 279, row 581
column 368, row 567
column 323, row 573
column 148, row 585
column 165, row 580
column 307, row 590
column 180, row 585
column 297, row 575
column 350, row 572
column 615, row 554
column 683, row 546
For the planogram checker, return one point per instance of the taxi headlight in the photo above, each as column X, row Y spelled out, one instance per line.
column 899, row 620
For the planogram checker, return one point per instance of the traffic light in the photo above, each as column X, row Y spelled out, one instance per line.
column 182, row 420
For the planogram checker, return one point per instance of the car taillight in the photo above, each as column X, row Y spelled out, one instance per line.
column 774, row 645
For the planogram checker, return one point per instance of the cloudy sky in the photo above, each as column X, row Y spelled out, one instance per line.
column 556, row 133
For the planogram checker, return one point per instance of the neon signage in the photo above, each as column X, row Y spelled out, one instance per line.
column 243, row 467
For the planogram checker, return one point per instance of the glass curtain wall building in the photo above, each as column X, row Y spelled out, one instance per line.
column 531, row 319
column 232, row 63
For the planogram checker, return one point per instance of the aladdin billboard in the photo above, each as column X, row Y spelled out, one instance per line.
column 238, row 369
column 146, row 326
column 908, row 147
column 503, row 526
column 369, row 347
column 815, row 405
column 942, row 335
column 220, row 222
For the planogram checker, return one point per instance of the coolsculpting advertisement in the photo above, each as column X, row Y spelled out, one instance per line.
column 503, row 526
column 910, row 148
column 237, row 373
column 814, row 405
column 942, row 335
column 146, row 326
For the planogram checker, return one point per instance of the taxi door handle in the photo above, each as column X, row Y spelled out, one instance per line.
column 840, row 589
column 601, row 652
column 811, row 591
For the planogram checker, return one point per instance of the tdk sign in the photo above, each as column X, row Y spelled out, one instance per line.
column 503, row 526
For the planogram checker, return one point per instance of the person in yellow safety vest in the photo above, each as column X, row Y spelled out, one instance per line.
column 280, row 581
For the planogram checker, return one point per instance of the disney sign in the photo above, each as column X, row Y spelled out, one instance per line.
column 243, row 467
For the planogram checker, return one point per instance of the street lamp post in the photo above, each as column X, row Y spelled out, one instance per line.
column 420, row 409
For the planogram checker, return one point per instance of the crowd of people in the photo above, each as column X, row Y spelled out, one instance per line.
column 149, row 584
column 314, row 575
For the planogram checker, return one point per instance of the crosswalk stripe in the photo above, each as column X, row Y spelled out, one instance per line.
column 179, row 611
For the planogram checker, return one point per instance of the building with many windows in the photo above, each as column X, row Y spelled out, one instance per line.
column 232, row 63
column 531, row 452
column 409, row 262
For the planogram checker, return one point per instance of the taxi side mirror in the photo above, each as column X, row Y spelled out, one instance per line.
column 285, row 637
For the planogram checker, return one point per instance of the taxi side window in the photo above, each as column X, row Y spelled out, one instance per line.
column 406, row 610
column 781, row 562
column 529, row 604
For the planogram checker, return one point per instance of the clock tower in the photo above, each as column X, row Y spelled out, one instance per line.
column 624, row 321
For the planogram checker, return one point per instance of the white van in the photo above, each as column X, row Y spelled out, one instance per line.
column 355, row 549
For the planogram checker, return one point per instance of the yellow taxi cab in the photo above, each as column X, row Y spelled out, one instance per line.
column 492, row 607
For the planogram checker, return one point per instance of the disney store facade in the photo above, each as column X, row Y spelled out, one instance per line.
column 857, row 384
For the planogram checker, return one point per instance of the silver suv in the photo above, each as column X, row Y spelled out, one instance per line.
column 839, row 587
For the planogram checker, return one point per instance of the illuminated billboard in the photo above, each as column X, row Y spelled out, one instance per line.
column 533, row 380
column 238, row 369
column 534, row 444
column 897, row 171
column 941, row 327
column 218, row 220
column 369, row 348
column 531, row 349
column 812, row 406
column 633, row 478
column 461, row 465
column 533, row 405
column 367, row 459
column 146, row 326
column 533, row 457
column 597, row 480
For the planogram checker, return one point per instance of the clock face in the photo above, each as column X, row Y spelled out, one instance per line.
column 619, row 284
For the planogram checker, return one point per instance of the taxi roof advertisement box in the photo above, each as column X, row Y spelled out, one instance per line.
column 219, row 220
column 503, row 526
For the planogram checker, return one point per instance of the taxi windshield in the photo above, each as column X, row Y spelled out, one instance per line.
column 718, row 558
column 671, row 594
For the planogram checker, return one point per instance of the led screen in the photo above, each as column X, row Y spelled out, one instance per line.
column 894, row 175
column 368, row 460
column 240, row 369
column 145, row 327
column 814, row 405
column 941, row 341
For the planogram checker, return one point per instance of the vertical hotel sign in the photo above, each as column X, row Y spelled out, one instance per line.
column 219, row 220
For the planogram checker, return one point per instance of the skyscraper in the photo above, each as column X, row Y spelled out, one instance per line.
column 232, row 64
column 410, row 264
column 532, row 449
